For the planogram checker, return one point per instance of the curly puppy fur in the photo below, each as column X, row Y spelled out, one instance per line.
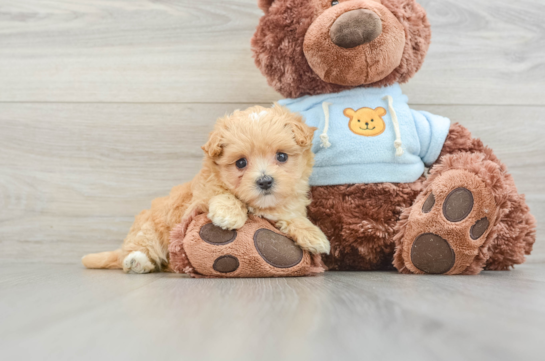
column 278, row 45
column 228, row 192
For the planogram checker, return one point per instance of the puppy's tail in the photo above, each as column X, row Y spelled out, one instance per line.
column 109, row 260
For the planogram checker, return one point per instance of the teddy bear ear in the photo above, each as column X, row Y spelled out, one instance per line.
column 264, row 5
column 381, row 111
column 349, row 112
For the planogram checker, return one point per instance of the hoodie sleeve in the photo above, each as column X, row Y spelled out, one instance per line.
column 432, row 131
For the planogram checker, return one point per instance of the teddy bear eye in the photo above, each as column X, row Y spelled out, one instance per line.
column 372, row 120
column 358, row 120
column 334, row 2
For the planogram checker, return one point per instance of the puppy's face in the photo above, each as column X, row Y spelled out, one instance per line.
column 263, row 155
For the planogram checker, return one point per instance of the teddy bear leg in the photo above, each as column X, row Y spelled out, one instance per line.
column 359, row 221
column 469, row 217
column 257, row 249
column 448, row 225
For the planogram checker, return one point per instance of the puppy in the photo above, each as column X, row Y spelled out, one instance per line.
column 256, row 161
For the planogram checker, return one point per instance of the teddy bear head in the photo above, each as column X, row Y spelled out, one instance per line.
column 310, row 47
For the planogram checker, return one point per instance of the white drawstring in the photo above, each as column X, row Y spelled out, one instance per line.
column 324, row 137
column 397, row 143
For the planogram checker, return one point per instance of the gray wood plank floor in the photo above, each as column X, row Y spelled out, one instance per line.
column 62, row 312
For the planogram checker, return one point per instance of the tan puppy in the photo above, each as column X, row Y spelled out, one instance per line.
column 256, row 161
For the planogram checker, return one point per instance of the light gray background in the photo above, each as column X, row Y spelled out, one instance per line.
column 104, row 105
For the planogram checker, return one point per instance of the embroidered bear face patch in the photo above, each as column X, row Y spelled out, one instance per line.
column 366, row 121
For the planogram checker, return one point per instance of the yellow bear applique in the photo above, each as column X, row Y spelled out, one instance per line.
column 366, row 121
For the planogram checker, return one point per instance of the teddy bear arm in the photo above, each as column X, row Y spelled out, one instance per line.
column 459, row 139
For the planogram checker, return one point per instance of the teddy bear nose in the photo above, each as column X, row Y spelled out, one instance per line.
column 265, row 182
column 355, row 27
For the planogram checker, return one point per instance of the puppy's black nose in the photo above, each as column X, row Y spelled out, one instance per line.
column 265, row 182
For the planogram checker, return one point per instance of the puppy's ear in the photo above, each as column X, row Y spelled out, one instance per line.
column 264, row 5
column 302, row 133
column 214, row 146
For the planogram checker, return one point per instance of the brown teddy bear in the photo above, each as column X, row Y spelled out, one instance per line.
column 346, row 58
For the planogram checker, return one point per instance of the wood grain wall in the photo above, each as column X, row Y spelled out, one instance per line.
column 104, row 104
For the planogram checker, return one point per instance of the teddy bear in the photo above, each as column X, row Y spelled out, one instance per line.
column 392, row 187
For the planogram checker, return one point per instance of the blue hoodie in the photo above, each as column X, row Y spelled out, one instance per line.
column 369, row 135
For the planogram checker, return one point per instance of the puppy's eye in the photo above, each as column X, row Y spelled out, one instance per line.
column 241, row 163
column 281, row 157
column 372, row 120
column 358, row 120
column 334, row 2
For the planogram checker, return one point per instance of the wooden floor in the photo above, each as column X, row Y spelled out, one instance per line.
column 65, row 312
column 104, row 105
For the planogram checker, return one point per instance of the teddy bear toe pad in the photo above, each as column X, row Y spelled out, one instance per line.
column 257, row 249
column 448, row 226
column 277, row 250
column 432, row 254
column 216, row 235
column 226, row 264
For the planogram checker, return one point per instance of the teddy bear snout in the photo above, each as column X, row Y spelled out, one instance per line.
column 355, row 28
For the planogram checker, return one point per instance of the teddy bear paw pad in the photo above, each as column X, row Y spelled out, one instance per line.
column 226, row 264
column 432, row 254
column 215, row 235
column 277, row 250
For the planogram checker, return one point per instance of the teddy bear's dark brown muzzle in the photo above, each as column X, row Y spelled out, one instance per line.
column 355, row 28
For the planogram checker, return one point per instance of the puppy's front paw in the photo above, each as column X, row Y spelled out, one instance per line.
column 227, row 217
column 315, row 242
column 137, row 262
column 309, row 238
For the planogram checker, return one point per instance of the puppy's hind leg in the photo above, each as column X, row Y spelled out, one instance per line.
column 143, row 250
column 137, row 262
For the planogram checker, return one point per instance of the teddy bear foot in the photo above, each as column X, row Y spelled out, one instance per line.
column 257, row 249
column 448, row 226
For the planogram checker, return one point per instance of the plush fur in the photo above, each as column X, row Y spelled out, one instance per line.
column 365, row 222
column 516, row 236
column 280, row 35
column 228, row 193
column 334, row 64
column 359, row 220
column 513, row 232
